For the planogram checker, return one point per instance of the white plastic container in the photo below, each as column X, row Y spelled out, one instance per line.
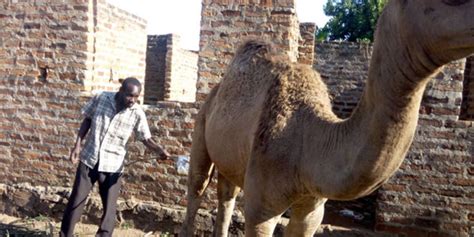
column 182, row 165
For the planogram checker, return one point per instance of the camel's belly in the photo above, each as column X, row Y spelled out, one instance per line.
column 230, row 128
column 229, row 143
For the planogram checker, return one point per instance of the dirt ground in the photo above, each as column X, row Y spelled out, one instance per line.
column 42, row 226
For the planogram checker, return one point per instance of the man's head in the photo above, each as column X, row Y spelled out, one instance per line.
column 129, row 92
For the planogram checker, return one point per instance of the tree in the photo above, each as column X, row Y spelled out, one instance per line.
column 352, row 20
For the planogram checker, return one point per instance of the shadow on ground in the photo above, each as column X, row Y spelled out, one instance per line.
column 20, row 231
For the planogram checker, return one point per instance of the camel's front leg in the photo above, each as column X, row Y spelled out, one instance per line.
column 260, row 221
column 306, row 216
column 264, row 203
column 226, row 193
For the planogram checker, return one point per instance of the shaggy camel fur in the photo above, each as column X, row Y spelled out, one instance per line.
column 268, row 127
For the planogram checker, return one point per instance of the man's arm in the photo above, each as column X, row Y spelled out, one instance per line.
column 86, row 124
column 150, row 144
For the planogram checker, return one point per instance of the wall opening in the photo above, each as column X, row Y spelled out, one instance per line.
column 467, row 105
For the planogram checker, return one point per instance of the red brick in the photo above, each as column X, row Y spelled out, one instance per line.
column 187, row 125
column 415, row 231
column 458, row 227
column 470, row 170
column 427, row 223
column 464, row 182
column 451, row 193
column 388, row 228
column 166, row 123
column 31, row 26
column 401, row 220
column 394, row 187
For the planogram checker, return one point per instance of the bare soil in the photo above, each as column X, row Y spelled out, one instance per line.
column 44, row 227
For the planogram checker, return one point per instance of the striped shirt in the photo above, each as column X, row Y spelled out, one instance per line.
column 110, row 131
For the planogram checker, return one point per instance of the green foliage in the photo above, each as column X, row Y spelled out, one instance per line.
column 351, row 20
column 126, row 225
column 41, row 218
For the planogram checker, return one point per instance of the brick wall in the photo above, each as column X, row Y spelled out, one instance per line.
column 182, row 72
column 171, row 71
column 306, row 43
column 48, row 59
column 118, row 49
column 171, row 124
column 157, row 47
column 43, row 52
column 226, row 23
column 343, row 67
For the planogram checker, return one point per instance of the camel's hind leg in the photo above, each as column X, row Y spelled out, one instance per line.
column 306, row 216
column 226, row 193
column 199, row 176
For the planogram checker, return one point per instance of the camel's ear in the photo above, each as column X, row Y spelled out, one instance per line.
column 121, row 80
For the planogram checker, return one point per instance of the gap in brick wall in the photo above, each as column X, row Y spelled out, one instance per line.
column 467, row 104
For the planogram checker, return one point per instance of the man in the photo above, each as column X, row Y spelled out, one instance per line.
column 109, row 119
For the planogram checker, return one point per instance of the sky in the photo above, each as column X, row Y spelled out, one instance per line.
column 183, row 17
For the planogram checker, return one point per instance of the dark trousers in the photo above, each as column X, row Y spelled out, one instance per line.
column 109, row 189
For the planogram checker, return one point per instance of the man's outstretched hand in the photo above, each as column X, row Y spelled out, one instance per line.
column 150, row 144
column 164, row 155
column 74, row 157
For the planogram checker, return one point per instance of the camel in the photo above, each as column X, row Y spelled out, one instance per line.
column 268, row 127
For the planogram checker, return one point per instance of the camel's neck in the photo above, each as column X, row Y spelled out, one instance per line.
column 374, row 141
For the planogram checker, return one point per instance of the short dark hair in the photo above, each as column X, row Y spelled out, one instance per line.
column 132, row 81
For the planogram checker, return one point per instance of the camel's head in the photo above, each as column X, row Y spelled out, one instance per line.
column 442, row 30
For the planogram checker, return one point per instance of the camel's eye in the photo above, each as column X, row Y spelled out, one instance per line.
column 455, row 2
